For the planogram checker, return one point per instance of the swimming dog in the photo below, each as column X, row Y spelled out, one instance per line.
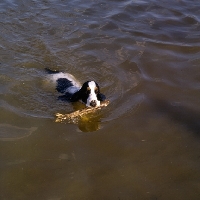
column 89, row 93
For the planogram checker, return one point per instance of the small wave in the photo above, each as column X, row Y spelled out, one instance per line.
column 124, row 107
column 11, row 133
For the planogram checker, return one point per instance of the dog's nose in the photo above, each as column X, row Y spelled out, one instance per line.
column 93, row 103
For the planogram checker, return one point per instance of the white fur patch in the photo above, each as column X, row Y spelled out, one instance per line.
column 92, row 95
column 76, row 85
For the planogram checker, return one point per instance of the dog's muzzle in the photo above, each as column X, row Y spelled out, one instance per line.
column 93, row 103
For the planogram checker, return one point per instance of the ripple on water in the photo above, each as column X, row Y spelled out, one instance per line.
column 11, row 133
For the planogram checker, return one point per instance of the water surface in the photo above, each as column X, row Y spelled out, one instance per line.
column 145, row 55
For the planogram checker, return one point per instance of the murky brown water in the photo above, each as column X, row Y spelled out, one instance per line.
column 146, row 57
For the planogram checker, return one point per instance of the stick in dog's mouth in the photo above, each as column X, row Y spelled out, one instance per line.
column 76, row 115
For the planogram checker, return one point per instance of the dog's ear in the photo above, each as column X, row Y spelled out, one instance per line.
column 76, row 96
column 101, row 97
column 81, row 94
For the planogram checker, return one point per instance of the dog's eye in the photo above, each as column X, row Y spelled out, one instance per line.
column 96, row 90
column 88, row 90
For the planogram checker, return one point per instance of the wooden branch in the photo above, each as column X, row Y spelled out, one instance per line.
column 76, row 115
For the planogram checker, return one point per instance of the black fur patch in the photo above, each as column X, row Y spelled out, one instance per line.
column 63, row 84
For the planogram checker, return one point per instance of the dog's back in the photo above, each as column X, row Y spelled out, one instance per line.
column 65, row 82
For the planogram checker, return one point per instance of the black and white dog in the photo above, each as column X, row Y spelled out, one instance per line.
column 88, row 93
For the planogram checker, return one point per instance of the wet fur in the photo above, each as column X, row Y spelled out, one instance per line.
column 72, row 92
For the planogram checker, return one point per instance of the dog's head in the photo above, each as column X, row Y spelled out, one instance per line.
column 89, row 94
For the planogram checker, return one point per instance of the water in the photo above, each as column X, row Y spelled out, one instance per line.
column 145, row 55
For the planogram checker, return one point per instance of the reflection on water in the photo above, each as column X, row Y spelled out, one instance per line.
column 89, row 123
column 145, row 57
